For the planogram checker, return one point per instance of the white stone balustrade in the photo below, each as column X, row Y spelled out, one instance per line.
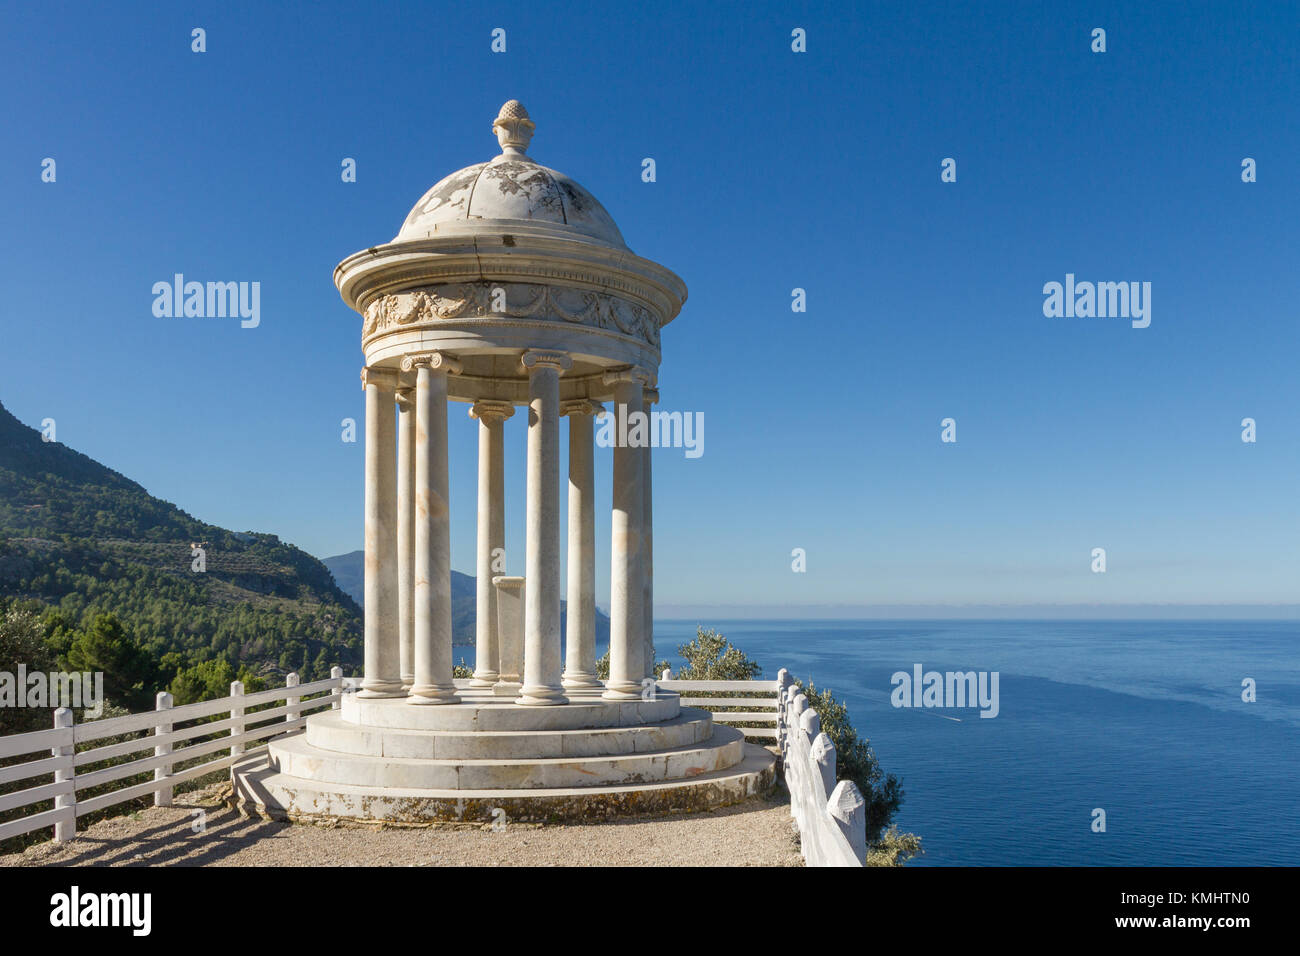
column 830, row 817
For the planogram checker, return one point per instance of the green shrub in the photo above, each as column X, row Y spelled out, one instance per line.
column 22, row 641
column 712, row 657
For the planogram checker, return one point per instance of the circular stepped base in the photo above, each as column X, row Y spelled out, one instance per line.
column 385, row 760
column 260, row 789
column 329, row 731
column 297, row 757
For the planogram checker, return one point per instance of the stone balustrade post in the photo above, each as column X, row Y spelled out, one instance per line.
column 822, row 754
column 848, row 809
column 810, row 722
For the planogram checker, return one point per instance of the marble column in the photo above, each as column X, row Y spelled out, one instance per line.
column 542, row 682
column 433, row 682
column 406, row 533
column 649, row 396
column 383, row 677
column 580, row 629
column 627, row 594
column 491, row 537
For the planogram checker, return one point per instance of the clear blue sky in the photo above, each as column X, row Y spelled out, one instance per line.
column 776, row 170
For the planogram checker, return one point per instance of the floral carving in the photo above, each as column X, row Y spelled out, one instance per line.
column 513, row 300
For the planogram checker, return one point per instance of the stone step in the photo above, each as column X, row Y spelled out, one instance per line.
column 479, row 710
column 296, row 756
column 260, row 788
column 329, row 731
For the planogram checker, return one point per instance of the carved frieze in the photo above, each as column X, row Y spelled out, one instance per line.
column 510, row 300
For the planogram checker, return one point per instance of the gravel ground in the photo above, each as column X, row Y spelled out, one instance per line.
column 754, row 833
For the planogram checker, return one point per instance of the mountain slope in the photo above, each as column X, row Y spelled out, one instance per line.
column 82, row 538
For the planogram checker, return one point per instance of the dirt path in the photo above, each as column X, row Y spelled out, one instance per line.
column 755, row 833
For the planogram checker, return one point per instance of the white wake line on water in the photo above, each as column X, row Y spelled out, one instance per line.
column 880, row 696
column 926, row 712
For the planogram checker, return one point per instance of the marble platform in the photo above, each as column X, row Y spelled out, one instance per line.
column 383, row 760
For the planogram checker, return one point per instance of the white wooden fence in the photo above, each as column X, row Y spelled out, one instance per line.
column 65, row 758
column 831, row 817
column 753, row 709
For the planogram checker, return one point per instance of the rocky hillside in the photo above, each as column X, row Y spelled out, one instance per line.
column 83, row 540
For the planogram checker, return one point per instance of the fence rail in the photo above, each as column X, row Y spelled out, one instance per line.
column 159, row 750
column 732, row 710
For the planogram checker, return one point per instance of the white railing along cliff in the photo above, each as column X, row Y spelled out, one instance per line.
column 65, row 759
column 831, row 817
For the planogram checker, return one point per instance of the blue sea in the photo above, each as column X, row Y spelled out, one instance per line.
column 1142, row 719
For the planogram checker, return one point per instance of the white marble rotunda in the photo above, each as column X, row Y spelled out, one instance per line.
column 509, row 287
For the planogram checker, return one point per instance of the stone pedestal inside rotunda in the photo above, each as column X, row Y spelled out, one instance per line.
column 509, row 288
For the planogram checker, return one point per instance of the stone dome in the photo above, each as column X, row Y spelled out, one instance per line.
column 510, row 191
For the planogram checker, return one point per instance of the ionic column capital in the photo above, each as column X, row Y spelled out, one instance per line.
column 406, row 397
column 633, row 373
column 437, row 360
column 491, row 411
column 582, row 406
column 537, row 358
column 383, row 377
column 650, row 396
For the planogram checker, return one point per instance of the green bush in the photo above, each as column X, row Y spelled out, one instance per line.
column 712, row 657
column 22, row 641
column 894, row 848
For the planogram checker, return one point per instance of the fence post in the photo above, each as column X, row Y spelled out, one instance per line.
column 65, row 830
column 796, row 751
column 823, row 759
column 782, row 682
column 237, row 716
column 291, row 681
column 162, row 796
column 810, row 723
column 797, row 706
column 336, row 673
column 788, row 717
column 849, row 811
